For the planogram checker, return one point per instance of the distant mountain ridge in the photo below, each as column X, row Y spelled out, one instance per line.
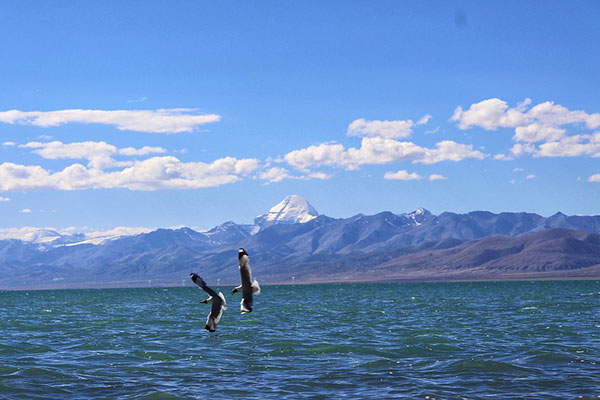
column 292, row 239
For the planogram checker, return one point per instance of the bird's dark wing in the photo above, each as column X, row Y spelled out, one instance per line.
column 200, row 282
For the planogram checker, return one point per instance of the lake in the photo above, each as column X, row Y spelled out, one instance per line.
column 534, row 340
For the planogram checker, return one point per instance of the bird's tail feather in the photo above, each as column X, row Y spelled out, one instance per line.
column 224, row 305
column 245, row 308
column 255, row 287
column 211, row 325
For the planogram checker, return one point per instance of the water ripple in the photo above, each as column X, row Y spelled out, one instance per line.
column 535, row 340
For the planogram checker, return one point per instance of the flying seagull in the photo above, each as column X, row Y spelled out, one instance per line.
column 216, row 300
column 248, row 287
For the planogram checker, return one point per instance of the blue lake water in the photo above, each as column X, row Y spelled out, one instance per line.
column 534, row 340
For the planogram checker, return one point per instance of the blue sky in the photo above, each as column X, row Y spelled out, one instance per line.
column 162, row 114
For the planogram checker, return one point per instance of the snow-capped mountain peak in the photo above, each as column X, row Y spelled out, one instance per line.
column 292, row 210
column 418, row 216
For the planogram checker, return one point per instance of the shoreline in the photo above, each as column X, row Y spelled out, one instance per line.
column 424, row 279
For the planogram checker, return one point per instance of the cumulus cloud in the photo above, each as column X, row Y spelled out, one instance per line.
column 274, row 174
column 150, row 174
column 103, row 171
column 492, row 114
column 572, row 146
column 520, row 149
column 9, row 144
column 594, row 178
column 402, row 175
column 448, row 150
column 489, row 114
column 378, row 150
column 99, row 154
column 384, row 129
column 536, row 133
column 318, row 155
column 319, row 175
column 387, row 129
column 4, row 198
column 156, row 121
column 277, row 174
column 539, row 130
column 379, row 145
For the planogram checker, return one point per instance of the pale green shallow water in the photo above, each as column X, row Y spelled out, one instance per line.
column 534, row 340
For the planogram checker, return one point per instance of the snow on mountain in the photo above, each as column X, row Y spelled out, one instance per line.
column 418, row 216
column 49, row 237
column 292, row 210
column 99, row 237
column 44, row 236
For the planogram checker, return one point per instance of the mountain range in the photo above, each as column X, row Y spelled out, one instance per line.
column 293, row 243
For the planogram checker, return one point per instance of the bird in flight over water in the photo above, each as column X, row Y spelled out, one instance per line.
column 248, row 287
column 217, row 301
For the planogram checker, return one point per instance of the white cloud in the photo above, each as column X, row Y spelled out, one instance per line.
column 104, row 172
column 448, row 150
column 9, row 144
column 99, row 154
column 322, row 154
column 4, row 198
column 492, row 114
column 402, row 175
column 149, row 174
column 539, row 130
column 376, row 151
column 530, row 176
column 424, row 119
column 518, row 170
column 26, row 211
column 156, row 121
column 594, row 178
column 536, row 133
column 277, row 174
column 489, row 114
column 436, row 177
column 319, row 175
column 519, row 149
column 385, row 151
column 274, row 174
column 383, row 129
column 131, row 151
column 572, row 146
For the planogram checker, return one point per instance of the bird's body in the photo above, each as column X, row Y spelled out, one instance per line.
column 248, row 287
column 216, row 300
